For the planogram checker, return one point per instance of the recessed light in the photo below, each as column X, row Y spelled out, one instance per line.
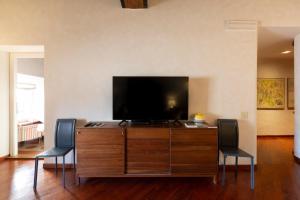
column 286, row 52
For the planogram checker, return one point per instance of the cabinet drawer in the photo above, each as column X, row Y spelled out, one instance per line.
column 100, row 152
column 194, row 152
column 148, row 151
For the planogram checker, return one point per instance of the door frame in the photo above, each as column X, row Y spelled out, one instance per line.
column 13, row 126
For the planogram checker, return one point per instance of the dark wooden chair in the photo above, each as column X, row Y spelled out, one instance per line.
column 64, row 143
column 228, row 132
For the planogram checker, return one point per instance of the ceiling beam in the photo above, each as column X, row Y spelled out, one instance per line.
column 134, row 4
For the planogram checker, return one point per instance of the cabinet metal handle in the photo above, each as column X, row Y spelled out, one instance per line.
column 78, row 132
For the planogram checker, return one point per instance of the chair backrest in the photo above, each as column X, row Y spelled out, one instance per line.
column 228, row 132
column 65, row 133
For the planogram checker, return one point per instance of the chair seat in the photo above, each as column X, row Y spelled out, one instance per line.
column 235, row 152
column 55, row 151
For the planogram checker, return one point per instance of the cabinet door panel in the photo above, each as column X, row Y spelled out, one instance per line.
column 148, row 151
column 194, row 151
column 100, row 152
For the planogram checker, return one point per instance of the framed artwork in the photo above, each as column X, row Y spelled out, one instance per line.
column 270, row 93
column 290, row 94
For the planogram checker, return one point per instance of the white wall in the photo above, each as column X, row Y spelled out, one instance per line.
column 4, row 104
column 30, row 102
column 31, row 71
column 87, row 42
column 275, row 122
column 31, row 66
column 297, row 96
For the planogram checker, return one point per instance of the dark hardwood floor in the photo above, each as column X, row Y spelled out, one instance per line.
column 277, row 177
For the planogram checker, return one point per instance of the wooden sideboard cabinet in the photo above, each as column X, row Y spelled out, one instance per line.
column 137, row 151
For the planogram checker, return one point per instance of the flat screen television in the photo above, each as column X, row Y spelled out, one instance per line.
column 150, row 98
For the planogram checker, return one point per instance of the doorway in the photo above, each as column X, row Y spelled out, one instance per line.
column 275, row 86
column 25, row 99
column 30, row 106
column 275, row 83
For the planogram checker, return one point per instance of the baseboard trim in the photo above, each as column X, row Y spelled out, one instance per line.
column 2, row 158
column 20, row 158
column 228, row 167
column 240, row 167
column 59, row 166
column 274, row 136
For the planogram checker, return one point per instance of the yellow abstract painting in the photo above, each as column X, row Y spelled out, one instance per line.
column 270, row 93
column 290, row 94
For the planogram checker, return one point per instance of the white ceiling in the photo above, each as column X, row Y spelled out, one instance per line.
column 274, row 40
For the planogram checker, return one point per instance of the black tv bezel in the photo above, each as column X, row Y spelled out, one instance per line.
column 152, row 120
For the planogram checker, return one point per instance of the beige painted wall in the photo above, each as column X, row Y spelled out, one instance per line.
column 89, row 41
column 275, row 122
column 31, row 66
column 4, row 104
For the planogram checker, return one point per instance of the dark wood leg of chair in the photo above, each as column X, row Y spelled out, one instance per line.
column 63, row 172
column 252, row 174
column 223, row 175
column 35, row 172
column 56, row 165
column 236, row 165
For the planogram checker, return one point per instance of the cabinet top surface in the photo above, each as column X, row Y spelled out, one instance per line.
column 163, row 125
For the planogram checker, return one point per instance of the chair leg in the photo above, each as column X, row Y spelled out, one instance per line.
column 252, row 174
column 35, row 173
column 78, row 179
column 236, row 165
column 223, row 175
column 63, row 172
column 56, row 165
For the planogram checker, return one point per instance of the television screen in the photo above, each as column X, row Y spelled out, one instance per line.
column 150, row 98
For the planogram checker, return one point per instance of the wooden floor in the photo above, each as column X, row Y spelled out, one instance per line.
column 277, row 177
